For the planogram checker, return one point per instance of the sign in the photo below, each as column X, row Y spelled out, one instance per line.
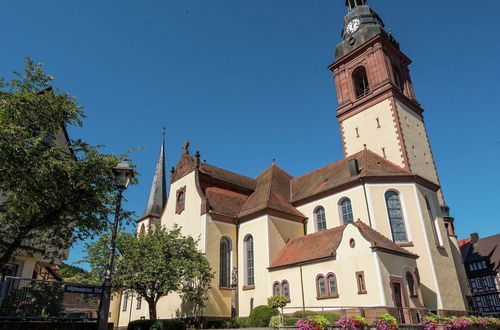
column 79, row 288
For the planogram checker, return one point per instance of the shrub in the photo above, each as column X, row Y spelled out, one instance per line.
column 331, row 317
column 275, row 322
column 227, row 323
column 289, row 321
column 242, row 322
column 277, row 301
column 304, row 313
column 386, row 322
column 320, row 322
column 156, row 325
column 261, row 315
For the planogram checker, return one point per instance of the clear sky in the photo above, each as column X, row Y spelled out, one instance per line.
column 246, row 82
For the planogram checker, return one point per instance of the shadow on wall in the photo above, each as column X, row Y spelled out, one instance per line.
column 430, row 297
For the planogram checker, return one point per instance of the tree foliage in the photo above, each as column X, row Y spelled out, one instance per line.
column 155, row 264
column 51, row 192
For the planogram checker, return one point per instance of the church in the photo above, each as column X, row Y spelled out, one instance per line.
column 367, row 234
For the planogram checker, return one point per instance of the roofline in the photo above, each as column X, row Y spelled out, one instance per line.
column 401, row 254
column 367, row 179
column 272, row 212
column 305, row 262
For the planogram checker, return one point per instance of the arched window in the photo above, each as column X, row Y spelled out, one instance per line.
column 225, row 263
column 276, row 288
column 321, row 286
column 396, row 219
column 142, row 230
column 320, row 218
column 332, row 285
column 249, row 258
column 411, row 284
column 360, row 80
column 285, row 289
column 346, row 211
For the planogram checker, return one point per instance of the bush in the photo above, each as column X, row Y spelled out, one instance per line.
column 331, row 317
column 304, row 314
column 320, row 322
column 156, row 325
column 261, row 315
column 276, row 301
column 289, row 321
column 242, row 322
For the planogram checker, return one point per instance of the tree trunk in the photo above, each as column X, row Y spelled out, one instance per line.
column 152, row 309
column 9, row 252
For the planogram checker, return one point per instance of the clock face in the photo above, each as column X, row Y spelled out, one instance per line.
column 353, row 26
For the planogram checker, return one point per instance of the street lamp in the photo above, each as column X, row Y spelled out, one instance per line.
column 123, row 175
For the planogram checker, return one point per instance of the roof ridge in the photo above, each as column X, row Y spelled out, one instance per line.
column 204, row 164
column 269, row 194
column 320, row 168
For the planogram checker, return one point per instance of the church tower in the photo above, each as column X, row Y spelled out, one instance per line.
column 157, row 196
column 377, row 106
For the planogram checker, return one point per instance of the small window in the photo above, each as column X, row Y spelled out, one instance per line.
column 285, row 289
column 139, row 302
column 346, row 211
column 360, row 80
column 180, row 200
column 143, row 230
column 332, row 285
column 411, row 284
column 249, row 260
column 321, row 287
column 396, row 219
column 125, row 301
column 276, row 288
column 360, row 278
column 320, row 218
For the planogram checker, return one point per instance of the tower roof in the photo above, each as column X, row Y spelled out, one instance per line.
column 158, row 193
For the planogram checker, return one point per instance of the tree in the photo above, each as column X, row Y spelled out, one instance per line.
column 155, row 264
column 52, row 192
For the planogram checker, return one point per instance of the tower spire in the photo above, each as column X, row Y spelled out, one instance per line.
column 158, row 193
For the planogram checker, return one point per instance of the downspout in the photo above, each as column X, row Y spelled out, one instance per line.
column 302, row 288
column 236, row 287
column 366, row 201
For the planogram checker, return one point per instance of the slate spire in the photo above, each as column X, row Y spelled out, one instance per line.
column 158, row 194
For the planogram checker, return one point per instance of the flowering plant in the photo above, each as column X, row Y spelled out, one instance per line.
column 351, row 323
column 304, row 324
column 456, row 323
column 317, row 322
column 386, row 322
column 430, row 323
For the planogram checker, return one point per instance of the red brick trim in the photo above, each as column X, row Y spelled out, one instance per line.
column 401, row 141
column 180, row 205
column 361, row 274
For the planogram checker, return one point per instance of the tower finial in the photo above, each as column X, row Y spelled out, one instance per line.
column 164, row 131
column 185, row 146
column 274, row 161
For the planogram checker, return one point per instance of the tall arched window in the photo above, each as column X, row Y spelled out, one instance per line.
column 411, row 284
column 320, row 218
column 321, row 286
column 396, row 219
column 276, row 288
column 332, row 285
column 225, row 263
column 249, row 258
column 285, row 289
column 360, row 81
column 398, row 78
column 346, row 211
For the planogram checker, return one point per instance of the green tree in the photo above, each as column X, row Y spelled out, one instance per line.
column 155, row 264
column 52, row 192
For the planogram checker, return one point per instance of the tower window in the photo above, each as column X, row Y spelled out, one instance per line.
column 396, row 219
column 357, row 132
column 383, row 152
column 398, row 78
column 378, row 123
column 320, row 218
column 360, row 80
column 249, row 258
column 354, row 3
column 346, row 211
column 225, row 263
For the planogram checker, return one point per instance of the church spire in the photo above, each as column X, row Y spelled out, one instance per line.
column 158, row 194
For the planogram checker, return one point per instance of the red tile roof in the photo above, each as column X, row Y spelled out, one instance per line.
column 323, row 245
column 224, row 201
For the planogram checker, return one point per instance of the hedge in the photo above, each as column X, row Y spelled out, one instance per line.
column 260, row 316
column 156, row 325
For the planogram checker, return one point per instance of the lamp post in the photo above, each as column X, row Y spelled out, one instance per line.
column 123, row 174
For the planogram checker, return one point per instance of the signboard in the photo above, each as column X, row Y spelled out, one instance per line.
column 79, row 288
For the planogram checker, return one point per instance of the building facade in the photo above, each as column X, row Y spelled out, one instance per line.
column 481, row 257
column 367, row 234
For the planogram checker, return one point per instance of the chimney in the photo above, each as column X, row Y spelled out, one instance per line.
column 474, row 238
column 353, row 167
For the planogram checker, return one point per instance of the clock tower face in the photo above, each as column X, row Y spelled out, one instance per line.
column 353, row 25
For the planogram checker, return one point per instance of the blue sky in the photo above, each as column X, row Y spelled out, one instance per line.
column 246, row 82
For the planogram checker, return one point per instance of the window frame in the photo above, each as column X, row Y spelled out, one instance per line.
column 318, row 290
column 412, row 288
column 335, row 294
column 361, row 284
column 348, row 207
column 276, row 284
column 320, row 210
column 402, row 216
column 360, row 69
column 287, row 296
column 138, row 302
column 249, row 268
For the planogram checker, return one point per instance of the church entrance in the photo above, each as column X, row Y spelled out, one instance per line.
column 399, row 302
